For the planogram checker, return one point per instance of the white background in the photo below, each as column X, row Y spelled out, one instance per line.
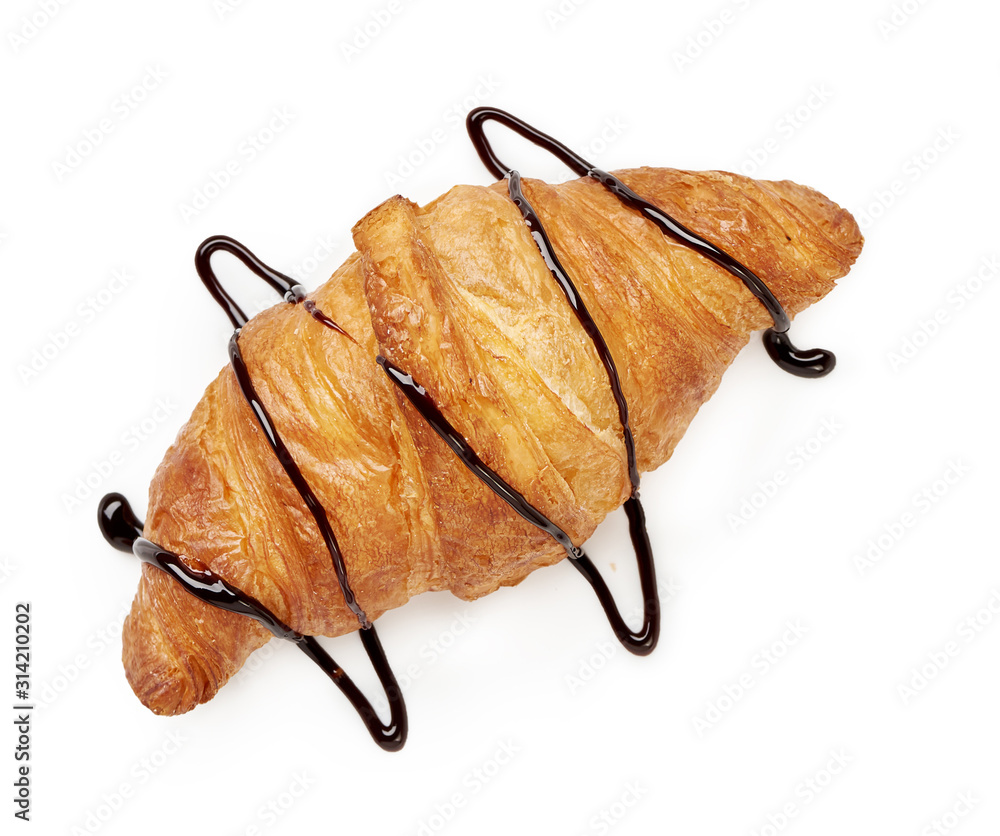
column 851, row 98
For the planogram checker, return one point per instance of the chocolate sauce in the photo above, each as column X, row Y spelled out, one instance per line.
column 569, row 290
column 417, row 395
column 289, row 290
column 123, row 530
column 641, row 642
column 301, row 485
column 816, row 362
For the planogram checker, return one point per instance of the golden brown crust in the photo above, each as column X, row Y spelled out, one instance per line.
column 456, row 294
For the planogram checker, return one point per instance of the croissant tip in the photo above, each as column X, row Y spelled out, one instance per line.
column 165, row 694
column 837, row 222
column 159, row 685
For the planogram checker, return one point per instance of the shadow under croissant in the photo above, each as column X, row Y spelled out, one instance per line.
column 123, row 530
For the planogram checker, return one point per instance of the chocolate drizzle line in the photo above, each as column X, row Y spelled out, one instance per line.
column 417, row 395
column 641, row 642
column 123, row 530
column 289, row 290
column 293, row 293
column 644, row 640
column 569, row 290
column 298, row 480
column 816, row 362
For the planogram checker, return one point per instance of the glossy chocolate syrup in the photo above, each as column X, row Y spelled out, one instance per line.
column 643, row 641
column 293, row 293
column 572, row 295
column 122, row 529
column 301, row 485
column 286, row 288
column 640, row 642
column 810, row 363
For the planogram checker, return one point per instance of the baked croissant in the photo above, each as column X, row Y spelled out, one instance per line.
column 457, row 294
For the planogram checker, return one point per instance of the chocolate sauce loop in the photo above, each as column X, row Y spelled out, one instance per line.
column 785, row 356
column 121, row 527
column 123, row 530
column 643, row 641
column 390, row 736
column 289, row 290
column 286, row 288
column 640, row 643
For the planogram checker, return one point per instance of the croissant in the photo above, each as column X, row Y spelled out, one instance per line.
column 457, row 301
